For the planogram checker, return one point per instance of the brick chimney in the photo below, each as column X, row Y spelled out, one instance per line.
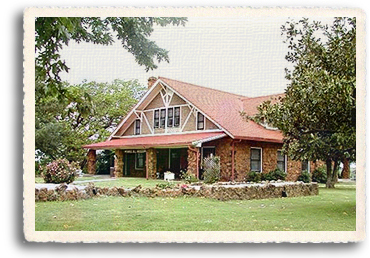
column 151, row 81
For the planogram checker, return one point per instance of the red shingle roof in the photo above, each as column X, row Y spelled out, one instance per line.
column 156, row 141
column 224, row 108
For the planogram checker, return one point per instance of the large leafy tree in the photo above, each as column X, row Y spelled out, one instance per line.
column 53, row 33
column 89, row 113
column 318, row 113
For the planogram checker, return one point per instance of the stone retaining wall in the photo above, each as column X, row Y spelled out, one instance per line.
column 220, row 191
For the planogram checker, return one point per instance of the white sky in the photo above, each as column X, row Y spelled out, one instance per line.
column 239, row 55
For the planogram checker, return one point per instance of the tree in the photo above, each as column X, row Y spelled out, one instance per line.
column 52, row 33
column 88, row 113
column 317, row 115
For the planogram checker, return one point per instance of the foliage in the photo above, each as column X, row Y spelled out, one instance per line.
column 318, row 113
column 276, row 174
column 319, row 175
column 211, row 166
column 253, row 176
column 304, row 177
column 188, row 177
column 53, row 33
column 89, row 113
column 59, row 171
column 165, row 185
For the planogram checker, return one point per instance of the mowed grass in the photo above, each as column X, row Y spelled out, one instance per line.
column 331, row 210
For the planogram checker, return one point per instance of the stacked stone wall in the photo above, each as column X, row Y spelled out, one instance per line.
column 118, row 163
column 216, row 191
column 151, row 166
column 192, row 161
column 91, row 162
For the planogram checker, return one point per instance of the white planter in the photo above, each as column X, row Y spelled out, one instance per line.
column 169, row 176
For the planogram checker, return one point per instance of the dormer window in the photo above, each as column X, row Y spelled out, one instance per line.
column 200, row 121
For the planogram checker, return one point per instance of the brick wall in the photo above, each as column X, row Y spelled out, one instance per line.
column 151, row 166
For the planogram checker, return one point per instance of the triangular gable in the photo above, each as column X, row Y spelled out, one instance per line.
column 159, row 95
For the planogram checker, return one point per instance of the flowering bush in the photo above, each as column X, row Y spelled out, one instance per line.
column 59, row 171
column 211, row 166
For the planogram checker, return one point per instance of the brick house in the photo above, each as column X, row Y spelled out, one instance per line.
column 176, row 124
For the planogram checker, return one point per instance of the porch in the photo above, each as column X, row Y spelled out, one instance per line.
column 151, row 156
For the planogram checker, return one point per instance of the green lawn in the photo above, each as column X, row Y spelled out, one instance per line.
column 331, row 210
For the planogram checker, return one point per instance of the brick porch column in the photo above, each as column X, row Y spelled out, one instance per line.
column 91, row 162
column 151, row 166
column 118, row 163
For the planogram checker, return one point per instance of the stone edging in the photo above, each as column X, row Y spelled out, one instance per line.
column 219, row 191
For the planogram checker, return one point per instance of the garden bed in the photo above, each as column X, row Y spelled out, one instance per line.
column 219, row 191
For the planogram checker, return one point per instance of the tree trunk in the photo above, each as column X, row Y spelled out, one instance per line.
column 332, row 173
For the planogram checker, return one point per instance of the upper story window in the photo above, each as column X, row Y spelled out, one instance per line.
column 256, row 159
column 177, row 117
column 171, row 114
column 281, row 161
column 156, row 118
column 163, row 118
column 137, row 126
column 200, row 121
column 170, row 117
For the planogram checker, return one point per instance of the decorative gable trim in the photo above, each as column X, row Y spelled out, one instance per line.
column 134, row 109
column 198, row 109
column 166, row 93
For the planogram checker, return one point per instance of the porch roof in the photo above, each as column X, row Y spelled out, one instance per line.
column 142, row 142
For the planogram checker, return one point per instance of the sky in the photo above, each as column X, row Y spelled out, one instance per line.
column 244, row 55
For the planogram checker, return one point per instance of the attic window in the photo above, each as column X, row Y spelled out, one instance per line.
column 137, row 127
column 200, row 121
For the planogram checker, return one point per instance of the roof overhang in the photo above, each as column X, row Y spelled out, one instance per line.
column 156, row 141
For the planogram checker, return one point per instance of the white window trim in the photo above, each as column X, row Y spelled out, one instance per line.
column 308, row 166
column 285, row 162
column 258, row 148
column 140, row 123
column 136, row 167
column 196, row 121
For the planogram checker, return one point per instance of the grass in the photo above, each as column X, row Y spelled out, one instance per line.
column 331, row 210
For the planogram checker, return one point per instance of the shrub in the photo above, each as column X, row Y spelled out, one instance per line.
column 253, row 176
column 59, row 171
column 276, row 174
column 188, row 177
column 211, row 166
column 319, row 175
column 165, row 185
column 304, row 177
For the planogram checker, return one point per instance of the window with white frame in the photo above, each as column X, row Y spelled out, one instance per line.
column 139, row 160
column 163, row 118
column 200, row 121
column 305, row 166
column 156, row 118
column 177, row 117
column 256, row 159
column 281, row 160
column 171, row 115
column 137, row 127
